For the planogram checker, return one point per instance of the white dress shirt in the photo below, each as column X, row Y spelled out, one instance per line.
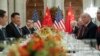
column 1, row 26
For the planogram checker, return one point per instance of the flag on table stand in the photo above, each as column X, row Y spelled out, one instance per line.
column 47, row 20
column 59, row 21
column 36, row 20
column 69, row 19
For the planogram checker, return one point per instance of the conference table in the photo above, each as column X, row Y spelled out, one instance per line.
column 73, row 47
column 78, row 47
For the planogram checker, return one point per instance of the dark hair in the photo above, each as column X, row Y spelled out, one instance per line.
column 14, row 14
column 2, row 13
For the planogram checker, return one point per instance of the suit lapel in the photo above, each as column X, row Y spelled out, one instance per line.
column 16, row 30
column 87, row 30
column 2, row 34
column 27, row 30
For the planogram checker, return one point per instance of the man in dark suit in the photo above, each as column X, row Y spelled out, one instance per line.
column 13, row 29
column 28, row 29
column 98, row 30
column 88, row 29
column 3, row 20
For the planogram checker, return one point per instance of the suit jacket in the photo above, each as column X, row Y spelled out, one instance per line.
column 3, row 35
column 26, row 31
column 98, row 36
column 12, row 31
column 89, row 32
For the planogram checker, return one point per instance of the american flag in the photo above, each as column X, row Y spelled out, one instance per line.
column 36, row 20
column 59, row 21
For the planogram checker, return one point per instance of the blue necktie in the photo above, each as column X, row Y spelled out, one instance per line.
column 19, row 30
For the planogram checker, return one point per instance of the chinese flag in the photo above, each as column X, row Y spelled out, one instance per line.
column 69, row 18
column 47, row 20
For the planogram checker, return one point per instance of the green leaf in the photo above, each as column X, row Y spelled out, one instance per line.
column 43, row 52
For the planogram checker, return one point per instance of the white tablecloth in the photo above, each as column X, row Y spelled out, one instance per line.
column 81, row 49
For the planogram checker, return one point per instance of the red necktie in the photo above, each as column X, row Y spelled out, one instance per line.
column 81, row 32
column 98, row 30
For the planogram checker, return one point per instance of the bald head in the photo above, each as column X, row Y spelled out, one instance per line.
column 98, row 14
column 86, row 18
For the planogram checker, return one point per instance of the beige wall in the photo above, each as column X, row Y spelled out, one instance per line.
column 97, row 3
column 11, row 8
column 3, row 4
column 21, row 8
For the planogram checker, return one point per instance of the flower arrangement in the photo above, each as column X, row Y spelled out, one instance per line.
column 45, row 42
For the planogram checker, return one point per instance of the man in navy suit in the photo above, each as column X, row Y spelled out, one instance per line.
column 13, row 29
column 29, row 28
column 3, row 20
column 88, row 29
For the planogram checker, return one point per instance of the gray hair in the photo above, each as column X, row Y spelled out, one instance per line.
column 86, row 14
